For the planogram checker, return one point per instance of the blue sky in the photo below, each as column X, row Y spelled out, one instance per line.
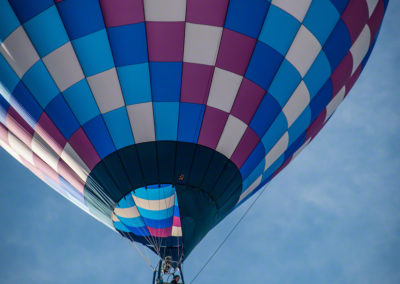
column 332, row 216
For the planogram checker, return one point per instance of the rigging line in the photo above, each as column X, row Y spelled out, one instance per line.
column 228, row 235
column 145, row 258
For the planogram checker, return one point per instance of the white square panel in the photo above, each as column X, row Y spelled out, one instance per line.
column 165, row 10
column 224, row 88
column 72, row 159
column 231, row 135
column 64, row 66
column 44, row 152
column 106, row 90
column 20, row 148
column 276, row 151
column 19, row 52
column 296, row 8
column 298, row 101
column 303, row 51
column 360, row 47
column 201, row 43
column 335, row 102
column 142, row 122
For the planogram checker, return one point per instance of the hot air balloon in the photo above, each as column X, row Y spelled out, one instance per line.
column 160, row 117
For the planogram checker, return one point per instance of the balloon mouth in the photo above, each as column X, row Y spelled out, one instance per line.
column 150, row 215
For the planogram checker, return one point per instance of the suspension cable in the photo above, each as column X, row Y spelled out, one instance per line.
column 228, row 235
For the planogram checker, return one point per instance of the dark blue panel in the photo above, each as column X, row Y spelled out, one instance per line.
column 340, row 5
column 246, row 17
column 4, row 105
column 263, row 65
column 166, row 81
column 157, row 224
column 295, row 146
column 266, row 113
column 22, row 97
column 98, row 134
column 27, row 9
column 81, row 17
column 190, row 118
column 321, row 100
column 338, row 44
column 60, row 113
column 128, row 44
column 253, row 160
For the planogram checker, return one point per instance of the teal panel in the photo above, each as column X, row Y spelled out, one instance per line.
column 135, row 83
column 166, row 120
column 118, row 125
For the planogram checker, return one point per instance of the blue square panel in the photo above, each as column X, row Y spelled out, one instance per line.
column 117, row 122
column 61, row 115
column 135, row 83
column 190, row 119
column 300, row 125
column 263, row 65
column 321, row 100
column 246, row 17
column 80, row 99
column 166, row 81
column 317, row 75
column 338, row 44
column 128, row 44
column 279, row 29
column 166, row 120
column 47, row 25
column 27, row 9
column 94, row 53
column 41, row 85
column 266, row 113
column 9, row 21
column 24, row 103
column 98, row 134
column 253, row 160
column 4, row 106
column 274, row 132
column 81, row 17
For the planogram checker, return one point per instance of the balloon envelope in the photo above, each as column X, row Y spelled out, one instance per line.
column 160, row 117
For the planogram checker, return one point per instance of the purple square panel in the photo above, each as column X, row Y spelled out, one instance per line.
column 196, row 82
column 355, row 17
column 84, row 148
column 235, row 52
column 342, row 73
column 214, row 121
column 247, row 100
column 206, row 12
column 376, row 19
column 165, row 41
column 50, row 133
column 122, row 12
column 245, row 147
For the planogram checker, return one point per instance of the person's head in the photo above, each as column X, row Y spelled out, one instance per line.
column 176, row 278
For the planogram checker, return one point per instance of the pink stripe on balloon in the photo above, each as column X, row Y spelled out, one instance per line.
column 161, row 233
column 50, row 133
column 176, row 221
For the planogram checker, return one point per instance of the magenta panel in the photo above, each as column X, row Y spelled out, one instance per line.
column 206, row 12
column 376, row 19
column 316, row 126
column 342, row 73
column 165, row 41
column 196, row 82
column 245, row 147
column 50, row 133
column 161, row 233
column 247, row 100
column 122, row 12
column 67, row 173
column 214, row 121
column 84, row 148
column 355, row 17
column 176, row 221
column 235, row 51
column 18, row 126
